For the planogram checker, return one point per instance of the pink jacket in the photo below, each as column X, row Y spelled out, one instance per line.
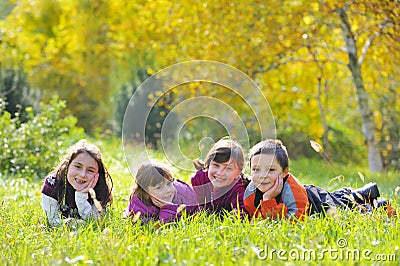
column 184, row 195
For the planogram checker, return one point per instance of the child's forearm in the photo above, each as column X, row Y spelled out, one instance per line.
column 85, row 209
column 52, row 210
column 169, row 213
column 297, row 206
column 270, row 208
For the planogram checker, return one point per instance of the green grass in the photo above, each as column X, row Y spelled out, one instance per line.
column 201, row 239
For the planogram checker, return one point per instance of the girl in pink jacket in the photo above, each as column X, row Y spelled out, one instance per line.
column 158, row 196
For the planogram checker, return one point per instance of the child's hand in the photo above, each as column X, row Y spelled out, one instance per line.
column 275, row 190
column 88, row 185
column 159, row 203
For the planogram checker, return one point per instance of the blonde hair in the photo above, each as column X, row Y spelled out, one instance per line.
column 149, row 174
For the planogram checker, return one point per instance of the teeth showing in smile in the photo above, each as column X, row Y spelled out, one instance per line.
column 80, row 181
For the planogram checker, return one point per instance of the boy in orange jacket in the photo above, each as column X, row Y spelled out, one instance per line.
column 274, row 192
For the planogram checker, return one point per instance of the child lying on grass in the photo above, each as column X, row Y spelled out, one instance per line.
column 219, row 183
column 65, row 192
column 274, row 192
column 158, row 196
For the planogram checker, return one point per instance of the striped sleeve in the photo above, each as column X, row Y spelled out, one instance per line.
column 294, row 196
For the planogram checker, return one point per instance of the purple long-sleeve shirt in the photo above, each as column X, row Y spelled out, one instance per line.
column 216, row 200
column 184, row 195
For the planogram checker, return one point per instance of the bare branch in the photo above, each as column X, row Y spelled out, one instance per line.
column 371, row 39
column 366, row 46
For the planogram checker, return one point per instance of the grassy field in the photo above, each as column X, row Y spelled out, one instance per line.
column 347, row 237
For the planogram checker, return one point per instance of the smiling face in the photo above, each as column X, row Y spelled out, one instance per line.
column 81, row 170
column 223, row 174
column 265, row 169
column 164, row 191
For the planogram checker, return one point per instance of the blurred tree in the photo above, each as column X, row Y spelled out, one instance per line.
column 310, row 58
column 374, row 19
column 16, row 92
column 63, row 47
column 154, row 121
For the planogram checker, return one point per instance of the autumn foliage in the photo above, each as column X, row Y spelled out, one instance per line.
column 296, row 51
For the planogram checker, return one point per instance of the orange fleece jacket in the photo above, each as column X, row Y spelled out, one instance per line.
column 291, row 203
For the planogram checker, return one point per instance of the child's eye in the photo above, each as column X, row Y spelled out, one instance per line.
column 77, row 166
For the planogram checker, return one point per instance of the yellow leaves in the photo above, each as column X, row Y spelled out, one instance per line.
column 308, row 20
column 314, row 6
column 193, row 85
column 151, row 27
column 82, row 83
column 150, row 71
column 158, row 93
column 286, row 43
column 332, row 4
column 160, row 103
column 250, row 35
column 378, row 136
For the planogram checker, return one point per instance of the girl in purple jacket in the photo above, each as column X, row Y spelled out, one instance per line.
column 219, row 183
column 158, row 196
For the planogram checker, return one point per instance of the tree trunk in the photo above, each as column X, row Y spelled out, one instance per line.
column 368, row 125
column 325, row 142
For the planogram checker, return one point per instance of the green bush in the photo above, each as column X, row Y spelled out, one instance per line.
column 30, row 149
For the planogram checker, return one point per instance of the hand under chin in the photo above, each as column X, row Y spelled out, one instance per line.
column 80, row 187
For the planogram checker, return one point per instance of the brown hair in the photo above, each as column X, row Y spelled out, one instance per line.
column 222, row 151
column 271, row 146
column 104, row 184
column 149, row 174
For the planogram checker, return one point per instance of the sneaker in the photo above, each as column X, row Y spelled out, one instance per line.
column 366, row 194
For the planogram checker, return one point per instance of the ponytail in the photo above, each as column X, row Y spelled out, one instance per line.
column 198, row 164
column 245, row 179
